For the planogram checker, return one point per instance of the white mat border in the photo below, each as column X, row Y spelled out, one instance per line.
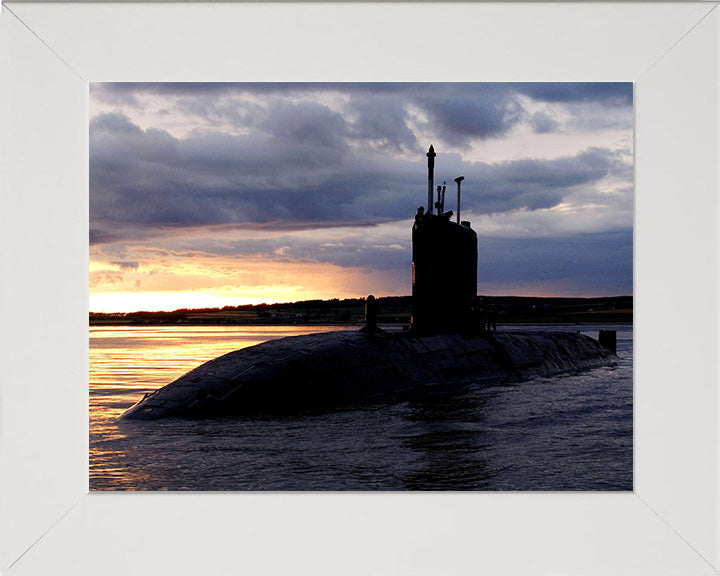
column 50, row 51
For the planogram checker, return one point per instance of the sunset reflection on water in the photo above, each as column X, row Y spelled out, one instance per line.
column 569, row 432
column 126, row 362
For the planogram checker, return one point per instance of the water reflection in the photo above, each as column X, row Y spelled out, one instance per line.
column 566, row 433
column 450, row 437
column 127, row 362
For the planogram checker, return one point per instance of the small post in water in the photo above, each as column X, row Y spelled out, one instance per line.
column 608, row 339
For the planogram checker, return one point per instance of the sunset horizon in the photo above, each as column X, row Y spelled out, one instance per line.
column 270, row 303
column 213, row 195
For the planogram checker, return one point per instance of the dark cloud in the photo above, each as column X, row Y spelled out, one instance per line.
column 619, row 92
column 305, row 124
column 115, row 94
column 465, row 117
column 527, row 183
column 113, row 123
column 313, row 156
column 599, row 264
column 148, row 177
column 460, row 112
column 296, row 175
column 126, row 265
column 218, row 110
column 103, row 236
column 383, row 123
column 543, row 123
column 608, row 93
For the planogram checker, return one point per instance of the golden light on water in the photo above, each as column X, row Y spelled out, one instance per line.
column 127, row 362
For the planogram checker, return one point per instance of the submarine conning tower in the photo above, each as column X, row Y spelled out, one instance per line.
column 444, row 265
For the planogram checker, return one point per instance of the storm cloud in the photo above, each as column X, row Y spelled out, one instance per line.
column 148, row 177
column 333, row 173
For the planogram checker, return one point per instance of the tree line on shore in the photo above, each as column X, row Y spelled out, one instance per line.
column 392, row 310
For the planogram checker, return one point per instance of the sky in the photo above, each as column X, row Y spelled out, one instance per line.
column 211, row 195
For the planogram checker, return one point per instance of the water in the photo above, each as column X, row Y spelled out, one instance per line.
column 572, row 432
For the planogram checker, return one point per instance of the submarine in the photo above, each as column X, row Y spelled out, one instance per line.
column 451, row 344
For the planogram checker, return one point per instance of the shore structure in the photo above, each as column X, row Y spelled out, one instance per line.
column 450, row 345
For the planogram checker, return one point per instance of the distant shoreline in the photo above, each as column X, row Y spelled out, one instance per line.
column 392, row 310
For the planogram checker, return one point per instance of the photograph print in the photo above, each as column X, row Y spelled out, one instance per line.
column 324, row 287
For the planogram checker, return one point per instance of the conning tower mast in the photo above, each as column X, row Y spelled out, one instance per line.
column 444, row 266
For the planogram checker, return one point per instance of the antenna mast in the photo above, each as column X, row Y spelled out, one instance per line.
column 431, row 172
column 458, row 180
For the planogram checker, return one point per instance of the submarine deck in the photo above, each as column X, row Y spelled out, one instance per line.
column 319, row 371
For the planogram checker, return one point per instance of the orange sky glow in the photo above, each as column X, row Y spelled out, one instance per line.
column 213, row 195
column 199, row 285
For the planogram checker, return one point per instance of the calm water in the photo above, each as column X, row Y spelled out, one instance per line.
column 572, row 432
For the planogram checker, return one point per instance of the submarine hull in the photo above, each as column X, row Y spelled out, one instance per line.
column 320, row 371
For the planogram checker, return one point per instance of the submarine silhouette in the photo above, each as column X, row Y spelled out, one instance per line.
column 450, row 345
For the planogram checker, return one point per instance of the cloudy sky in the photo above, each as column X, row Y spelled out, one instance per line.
column 226, row 194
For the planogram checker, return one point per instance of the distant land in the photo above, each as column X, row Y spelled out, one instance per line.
column 392, row 310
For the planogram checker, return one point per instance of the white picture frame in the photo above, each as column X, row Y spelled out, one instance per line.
column 50, row 524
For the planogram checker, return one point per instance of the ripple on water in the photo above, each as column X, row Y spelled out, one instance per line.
column 568, row 433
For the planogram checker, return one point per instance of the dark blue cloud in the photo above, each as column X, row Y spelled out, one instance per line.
column 113, row 123
column 305, row 124
column 382, row 122
column 126, row 265
column 296, row 163
column 460, row 112
column 619, row 92
column 543, row 123
column 600, row 264
column 526, row 183
column 615, row 93
column 296, row 175
column 480, row 115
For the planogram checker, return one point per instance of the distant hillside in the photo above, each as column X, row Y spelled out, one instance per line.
column 525, row 310
column 392, row 310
